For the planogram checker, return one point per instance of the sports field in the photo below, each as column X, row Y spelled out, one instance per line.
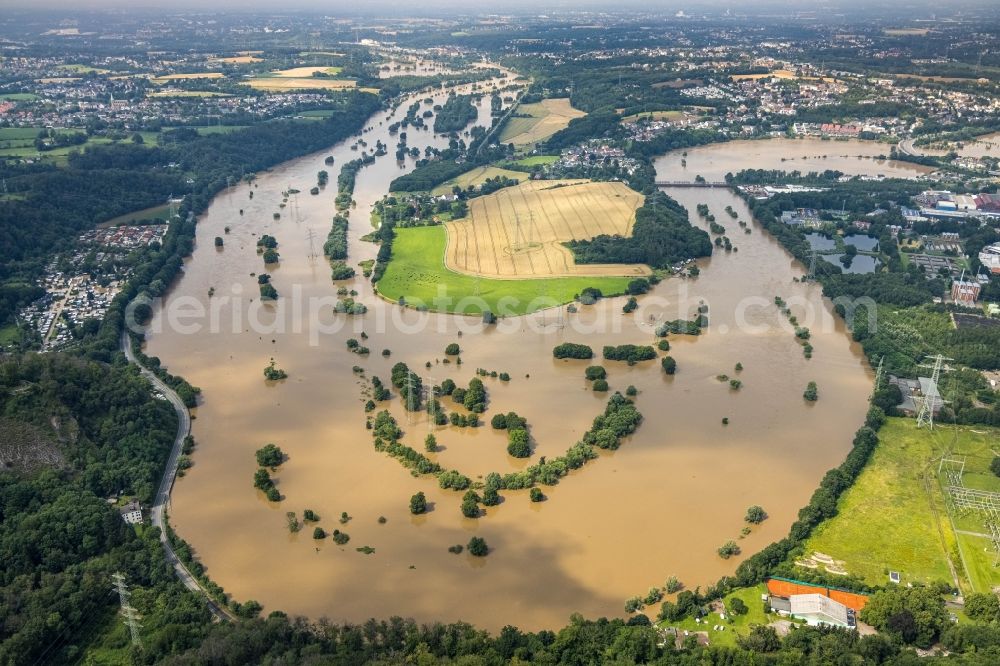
column 896, row 518
column 541, row 121
column 519, row 231
column 477, row 177
column 417, row 274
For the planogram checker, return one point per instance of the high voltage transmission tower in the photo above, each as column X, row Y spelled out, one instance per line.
column 932, row 397
column 130, row 614
column 878, row 376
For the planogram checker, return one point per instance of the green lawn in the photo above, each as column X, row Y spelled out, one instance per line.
column 534, row 160
column 734, row 625
column 19, row 133
column 416, row 272
column 895, row 516
column 219, row 129
column 162, row 212
column 9, row 335
column 18, row 97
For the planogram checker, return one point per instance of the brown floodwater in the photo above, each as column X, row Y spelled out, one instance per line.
column 658, row 506
column 853, row 157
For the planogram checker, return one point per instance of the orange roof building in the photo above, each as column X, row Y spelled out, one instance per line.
column 785, row 587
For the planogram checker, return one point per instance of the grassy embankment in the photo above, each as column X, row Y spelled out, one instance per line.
column 417, row 272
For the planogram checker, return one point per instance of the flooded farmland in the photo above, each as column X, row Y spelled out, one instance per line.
column 658, row 506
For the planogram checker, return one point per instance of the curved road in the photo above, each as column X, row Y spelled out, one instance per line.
column 159, row 508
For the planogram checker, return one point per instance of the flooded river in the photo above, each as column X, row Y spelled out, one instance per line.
column 659, row 506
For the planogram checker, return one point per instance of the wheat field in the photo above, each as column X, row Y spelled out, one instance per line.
column 518, row 232
column 543, row 119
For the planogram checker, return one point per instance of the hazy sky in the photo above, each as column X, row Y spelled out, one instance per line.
column 334, row 7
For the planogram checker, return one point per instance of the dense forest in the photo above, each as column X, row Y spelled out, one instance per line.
column 661, row 236
column 76, row 432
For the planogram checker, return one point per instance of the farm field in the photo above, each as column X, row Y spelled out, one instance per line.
column 519, row 231
column 239, row 60
column 417, row 272
column 194, row 75
column 309, row 83
column 895, row 517
column 477, row 177
column 300, row 72
column 543, row 119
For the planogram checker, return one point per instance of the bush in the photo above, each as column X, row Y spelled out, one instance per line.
column 669, row 365
column 629, row 353
column 663, row 345
column 600, row 386
column 755, row 515
column 995, row 466
column 637, row 287
column 728, row 549
column 341, row 271
column 517, row 443
column 319, row 533
column 454, row 480
column 984, row 607
column 811, row 393
column 573, row 350
column 536, row 495
column 418, row 504
column 452, row 349
column 270, row 455
column 477, row 547
column 737, row 607
column 595, row 372
column 470, row 504
column 631, row 391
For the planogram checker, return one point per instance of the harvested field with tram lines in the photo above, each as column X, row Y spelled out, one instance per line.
column 518, row 232
column 533, row 123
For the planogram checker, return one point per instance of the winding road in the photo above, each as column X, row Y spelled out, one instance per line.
column 159, row 509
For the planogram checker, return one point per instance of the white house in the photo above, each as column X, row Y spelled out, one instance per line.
column 131, row 513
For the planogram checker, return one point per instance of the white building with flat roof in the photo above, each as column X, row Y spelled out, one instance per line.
column 819, row 609
column 131, row 513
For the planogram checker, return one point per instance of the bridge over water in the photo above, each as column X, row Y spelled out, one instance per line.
column 690, row 183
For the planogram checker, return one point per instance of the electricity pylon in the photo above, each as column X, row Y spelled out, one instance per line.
column 933, row 397
column 878, row 376
column 130, row 614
